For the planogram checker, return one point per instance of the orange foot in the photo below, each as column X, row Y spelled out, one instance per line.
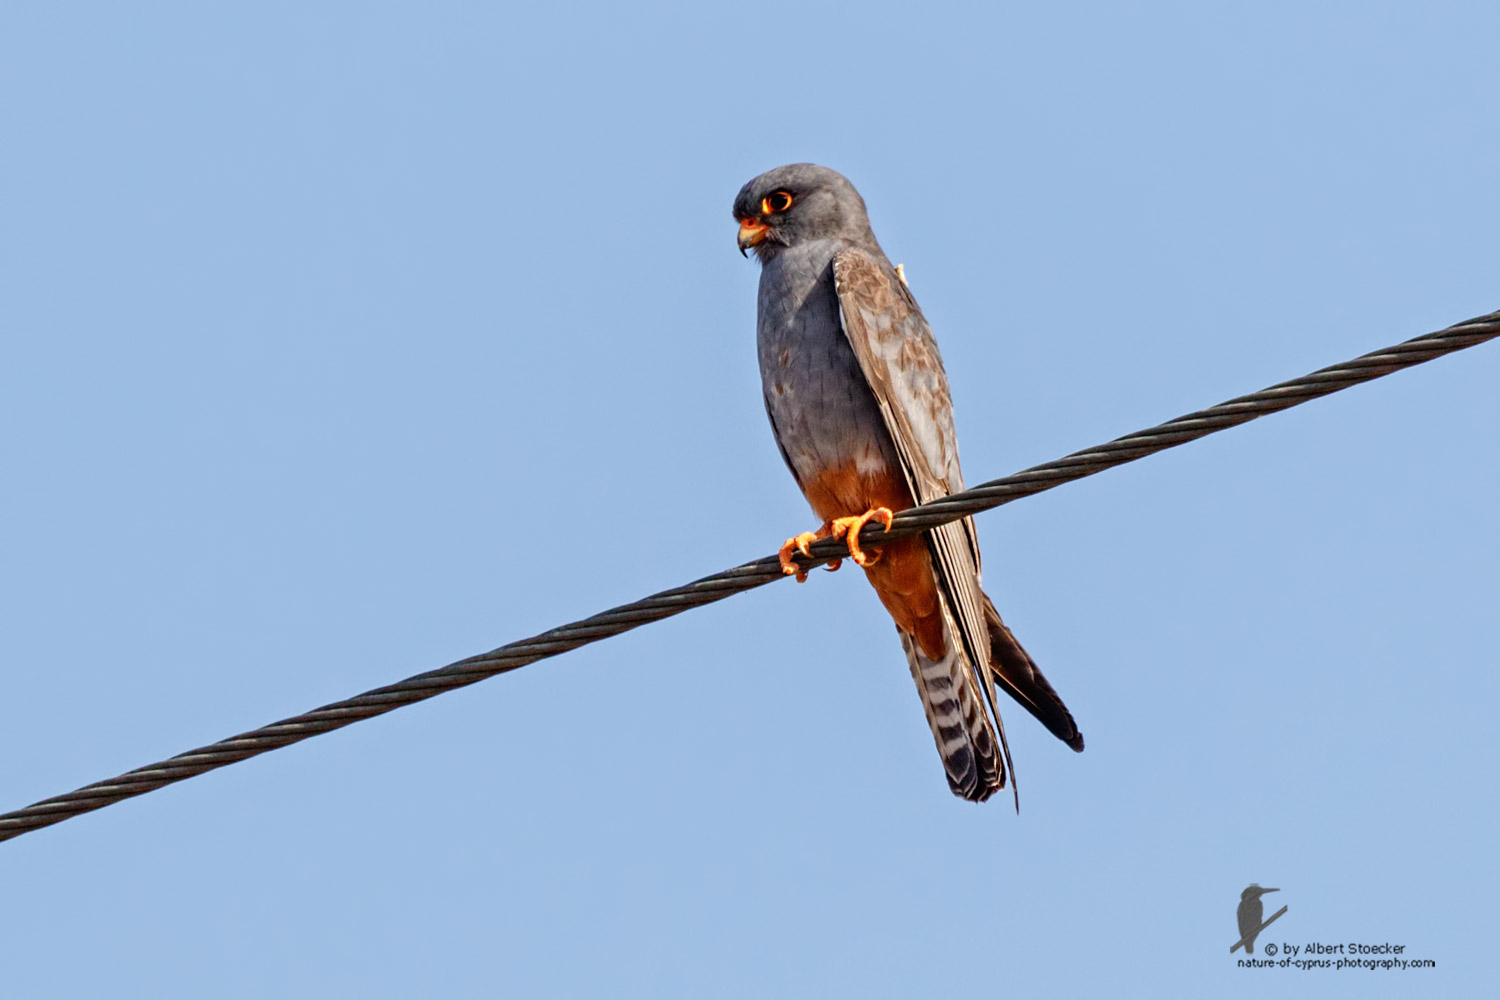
column 840, row 527
column 848, row 528
column 800, row 543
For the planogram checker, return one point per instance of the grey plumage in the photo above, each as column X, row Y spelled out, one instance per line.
column 858, row 400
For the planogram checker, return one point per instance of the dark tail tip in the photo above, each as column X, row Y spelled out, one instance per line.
column 1018, row 674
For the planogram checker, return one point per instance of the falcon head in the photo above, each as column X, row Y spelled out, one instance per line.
column 798, row 203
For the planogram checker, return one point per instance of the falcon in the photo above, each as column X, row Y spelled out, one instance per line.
column 859, row 404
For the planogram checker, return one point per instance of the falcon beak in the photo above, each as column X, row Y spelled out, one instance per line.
column 751, row 233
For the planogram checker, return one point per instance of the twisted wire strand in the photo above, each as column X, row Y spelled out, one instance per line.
column 747, row 576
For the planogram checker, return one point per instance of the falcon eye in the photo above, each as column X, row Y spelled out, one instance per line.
column 776, row 201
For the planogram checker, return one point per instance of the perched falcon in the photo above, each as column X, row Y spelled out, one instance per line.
column 859, row 403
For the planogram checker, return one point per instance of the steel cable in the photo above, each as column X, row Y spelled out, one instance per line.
column 752, row 574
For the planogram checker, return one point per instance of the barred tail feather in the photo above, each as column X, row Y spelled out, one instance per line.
column 965, row 736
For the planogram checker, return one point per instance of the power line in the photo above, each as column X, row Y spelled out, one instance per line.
column 745, row 577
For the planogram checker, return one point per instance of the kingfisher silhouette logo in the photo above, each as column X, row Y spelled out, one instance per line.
column 1249, row 914
column 1307, row 953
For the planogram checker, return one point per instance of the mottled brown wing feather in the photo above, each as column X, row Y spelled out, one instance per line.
column 900, row 360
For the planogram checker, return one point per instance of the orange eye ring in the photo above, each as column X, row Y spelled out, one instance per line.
column 776, row 201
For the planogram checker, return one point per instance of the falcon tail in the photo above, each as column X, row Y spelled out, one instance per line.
column 966, row 738
column 1017, row 673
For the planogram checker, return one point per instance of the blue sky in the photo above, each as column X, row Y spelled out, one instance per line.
column 344, row 340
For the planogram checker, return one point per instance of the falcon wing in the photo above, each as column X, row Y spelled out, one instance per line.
column 900, row 360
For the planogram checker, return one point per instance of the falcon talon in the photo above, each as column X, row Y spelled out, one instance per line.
column 797, row 543
column 848, row 529
column 805, row 539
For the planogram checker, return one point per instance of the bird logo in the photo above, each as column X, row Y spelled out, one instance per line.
column 1249, row 914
